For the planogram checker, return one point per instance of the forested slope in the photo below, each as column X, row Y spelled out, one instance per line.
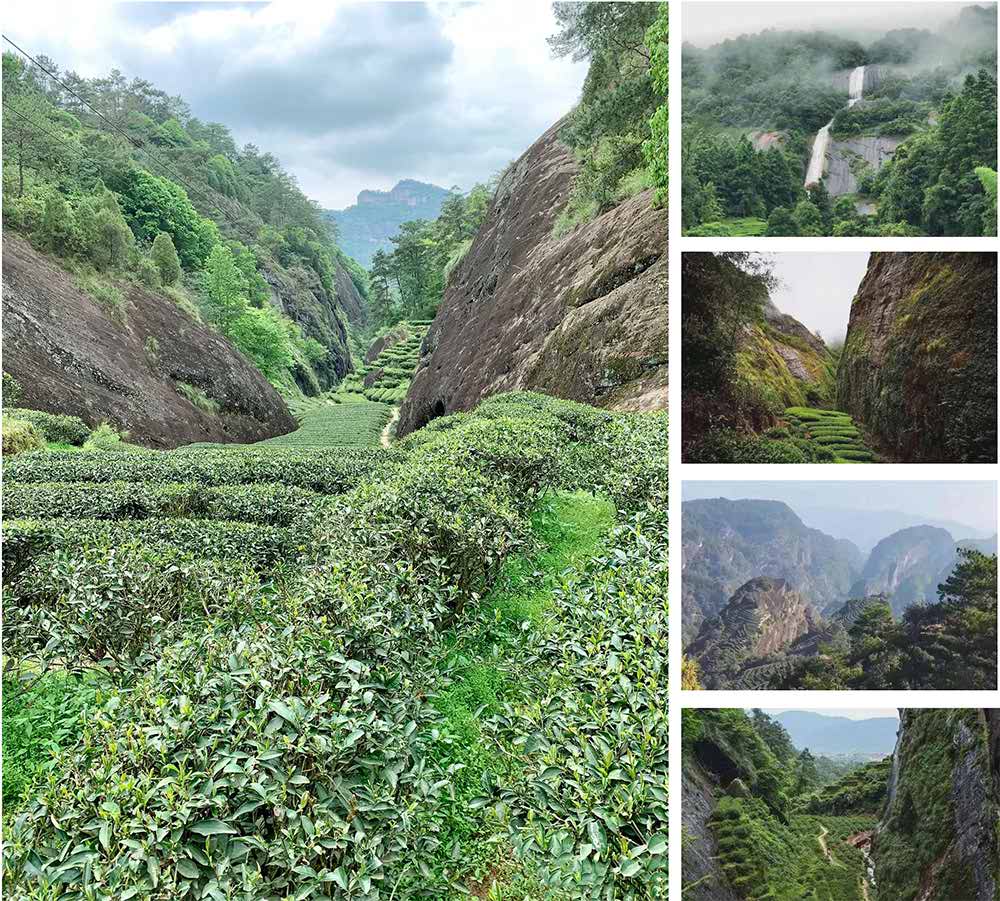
column 913, row 152
column 124, row 187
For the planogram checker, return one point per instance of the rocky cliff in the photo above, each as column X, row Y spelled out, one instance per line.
column 763, row 617
column 726, row 543
column 937, row 840
column 907, row 567
column 919, row 367
column 789, row 364
column 368, row 225
column 71, row 355
column 321, row 314
column 583, row 316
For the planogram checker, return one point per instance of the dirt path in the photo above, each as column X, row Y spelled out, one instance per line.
column 386, row 437
column 821, row 838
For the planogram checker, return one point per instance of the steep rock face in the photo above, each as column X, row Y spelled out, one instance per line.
column 727, row 543
column 71, row 357
column 349, row 298
column 785, row 360
column 907, row 566
column 700, row 863
column 937, row 840
column 582, row 317
column 848, row 157
column 369, row 225
column 919, row 367
column 298, row 293
column 765, row 616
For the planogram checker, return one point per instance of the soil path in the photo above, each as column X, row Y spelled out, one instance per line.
column 386, row 437
column 826, row 851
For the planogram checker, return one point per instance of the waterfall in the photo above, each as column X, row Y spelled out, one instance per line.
column 817, row 162
column 856, row 85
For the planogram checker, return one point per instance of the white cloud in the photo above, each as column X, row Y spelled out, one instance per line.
column 347, row 95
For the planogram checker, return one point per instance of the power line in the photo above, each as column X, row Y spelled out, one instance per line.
column 139, row 145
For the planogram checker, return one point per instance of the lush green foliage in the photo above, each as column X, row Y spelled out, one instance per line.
column 753, row 105
column 770, row 845
column 409, row 282
column 20, row 436
column 619, row 128
column 169, row 208
column 339, row 706
column 54, row 427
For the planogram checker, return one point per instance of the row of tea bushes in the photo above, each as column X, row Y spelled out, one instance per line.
column 270, row 732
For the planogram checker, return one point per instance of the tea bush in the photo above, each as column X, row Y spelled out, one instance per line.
column 20, row 436
column 353, row 674
column 54, row 427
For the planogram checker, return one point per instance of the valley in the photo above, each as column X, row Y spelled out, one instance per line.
column 329, row 577
column 769, row 603
column 845, row 128
column 915, row 335
column 761, row 820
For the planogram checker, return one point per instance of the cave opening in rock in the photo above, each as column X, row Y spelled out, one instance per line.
column 716, row 761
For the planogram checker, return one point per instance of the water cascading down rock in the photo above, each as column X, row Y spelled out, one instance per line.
column 817, row 162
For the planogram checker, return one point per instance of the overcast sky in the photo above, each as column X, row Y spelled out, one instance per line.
column 817, row 288
column 706, row 23
column 347, row 95
column 970, row 503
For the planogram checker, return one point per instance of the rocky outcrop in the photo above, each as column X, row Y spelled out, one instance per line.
column 298, row 293
column 849, row 157
column 702, row 872
column 785, row 361
column 726, row 543
column 907, row 567
column 368, row 226
column 70, row 355
column 349, row 298
column 937, row 840
column 919, row 367
column 764, row 617
column 582, row 316
column 397, row 334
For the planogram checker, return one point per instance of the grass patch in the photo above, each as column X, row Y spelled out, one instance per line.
column 736, row 228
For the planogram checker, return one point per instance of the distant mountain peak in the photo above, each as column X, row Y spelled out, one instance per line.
column 369, row 225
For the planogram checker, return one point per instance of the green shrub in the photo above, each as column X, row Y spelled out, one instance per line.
column 55, row 427
column 197, row 398
column 164, row 257
column 20, row 436
column 106, row 294
column 147, row 273
column 39, row 718
column 105, row 438
column 11, row 391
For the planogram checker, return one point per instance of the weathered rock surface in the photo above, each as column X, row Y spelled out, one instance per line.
column 919, row 367
column 907, row 566
column 700, row 855
column 726, row 543
column 846, row 158
column 71, row 357
column 349, row 298
column 298, row 293
column 582, row 317
column 394, row 336
column 937, row 840
column 763, row 617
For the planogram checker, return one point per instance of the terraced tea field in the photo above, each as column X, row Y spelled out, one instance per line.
column 832, row 430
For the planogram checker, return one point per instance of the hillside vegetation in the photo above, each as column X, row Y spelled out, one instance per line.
column 124, row 186
column 759, row 387
column 916, row 153
column 917, row 824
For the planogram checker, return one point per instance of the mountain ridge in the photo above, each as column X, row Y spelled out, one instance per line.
column 367, row 226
